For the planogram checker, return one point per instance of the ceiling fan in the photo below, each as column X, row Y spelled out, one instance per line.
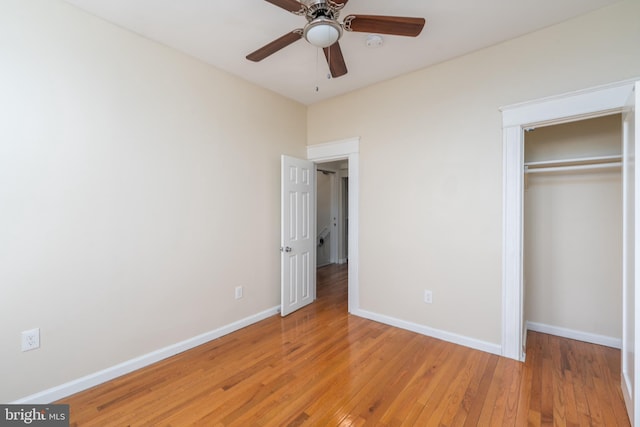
column 324, row 31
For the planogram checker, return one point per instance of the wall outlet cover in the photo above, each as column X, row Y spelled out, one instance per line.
column 428, row 297
column 30, row 339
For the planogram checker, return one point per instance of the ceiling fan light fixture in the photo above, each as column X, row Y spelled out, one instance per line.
column 322, row 32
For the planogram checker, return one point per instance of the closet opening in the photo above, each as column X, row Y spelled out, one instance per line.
column 572, row 247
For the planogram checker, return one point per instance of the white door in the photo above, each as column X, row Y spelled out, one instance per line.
column 298, row 258
column 631, row 257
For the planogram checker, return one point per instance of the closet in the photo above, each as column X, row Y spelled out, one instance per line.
column 573, row 230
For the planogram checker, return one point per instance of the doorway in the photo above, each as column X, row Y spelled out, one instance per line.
column 332, row 210
column 621, row 97
column 347, row 150
column 572, row 246
column 597, row 102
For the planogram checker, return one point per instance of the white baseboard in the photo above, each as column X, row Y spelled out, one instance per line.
column 91, row 380
column 431, row 332
column 575, row 335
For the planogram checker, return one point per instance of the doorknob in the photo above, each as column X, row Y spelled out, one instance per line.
column 286, row 249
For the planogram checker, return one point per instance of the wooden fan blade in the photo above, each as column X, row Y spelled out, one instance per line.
column 335, row 60
column 274, row 46
column 290, row 5
column 393, row 25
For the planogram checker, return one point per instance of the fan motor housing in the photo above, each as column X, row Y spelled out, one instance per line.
column 322, row 9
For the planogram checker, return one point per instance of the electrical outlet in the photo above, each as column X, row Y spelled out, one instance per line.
column 238, row 292
column 428, row 297
column 30, row 339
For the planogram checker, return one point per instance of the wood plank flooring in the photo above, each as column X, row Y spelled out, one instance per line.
column 323, row 367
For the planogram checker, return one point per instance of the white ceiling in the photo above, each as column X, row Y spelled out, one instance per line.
column 222, row 33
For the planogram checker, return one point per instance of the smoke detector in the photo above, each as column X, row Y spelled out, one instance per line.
column 374, row 41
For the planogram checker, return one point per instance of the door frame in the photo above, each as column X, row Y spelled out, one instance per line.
column 630, row 299
column 574, row 106
column 346, row 149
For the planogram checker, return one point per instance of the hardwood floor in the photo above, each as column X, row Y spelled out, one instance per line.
column 323, row 367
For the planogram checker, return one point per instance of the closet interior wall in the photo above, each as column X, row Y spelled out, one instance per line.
column 573, row 228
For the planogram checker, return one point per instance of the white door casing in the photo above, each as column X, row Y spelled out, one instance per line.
column 298, row 225
column 580, row 105
column 635, row 421
column 630, row 261
column 348, row 149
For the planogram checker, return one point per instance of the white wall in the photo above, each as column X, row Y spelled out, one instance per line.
column 573, row 230
column 343, row 214
column 436, row 221
column 130, row 179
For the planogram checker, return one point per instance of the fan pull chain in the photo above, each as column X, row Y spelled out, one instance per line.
column 317, row 69
column 329, row 62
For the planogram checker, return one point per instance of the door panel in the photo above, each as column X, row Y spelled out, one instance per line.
column 298, row 280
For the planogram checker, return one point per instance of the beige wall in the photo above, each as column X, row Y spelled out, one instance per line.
column 128, row 185
column 130, row 180
column 573, row 230
column 435, row 222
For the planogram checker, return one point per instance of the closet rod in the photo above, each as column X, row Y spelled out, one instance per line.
column 576, row 161
column 574, row 167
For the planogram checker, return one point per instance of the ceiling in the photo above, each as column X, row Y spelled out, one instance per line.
column 222, row 33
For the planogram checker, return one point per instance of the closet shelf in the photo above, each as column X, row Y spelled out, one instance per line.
column 582, row 163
